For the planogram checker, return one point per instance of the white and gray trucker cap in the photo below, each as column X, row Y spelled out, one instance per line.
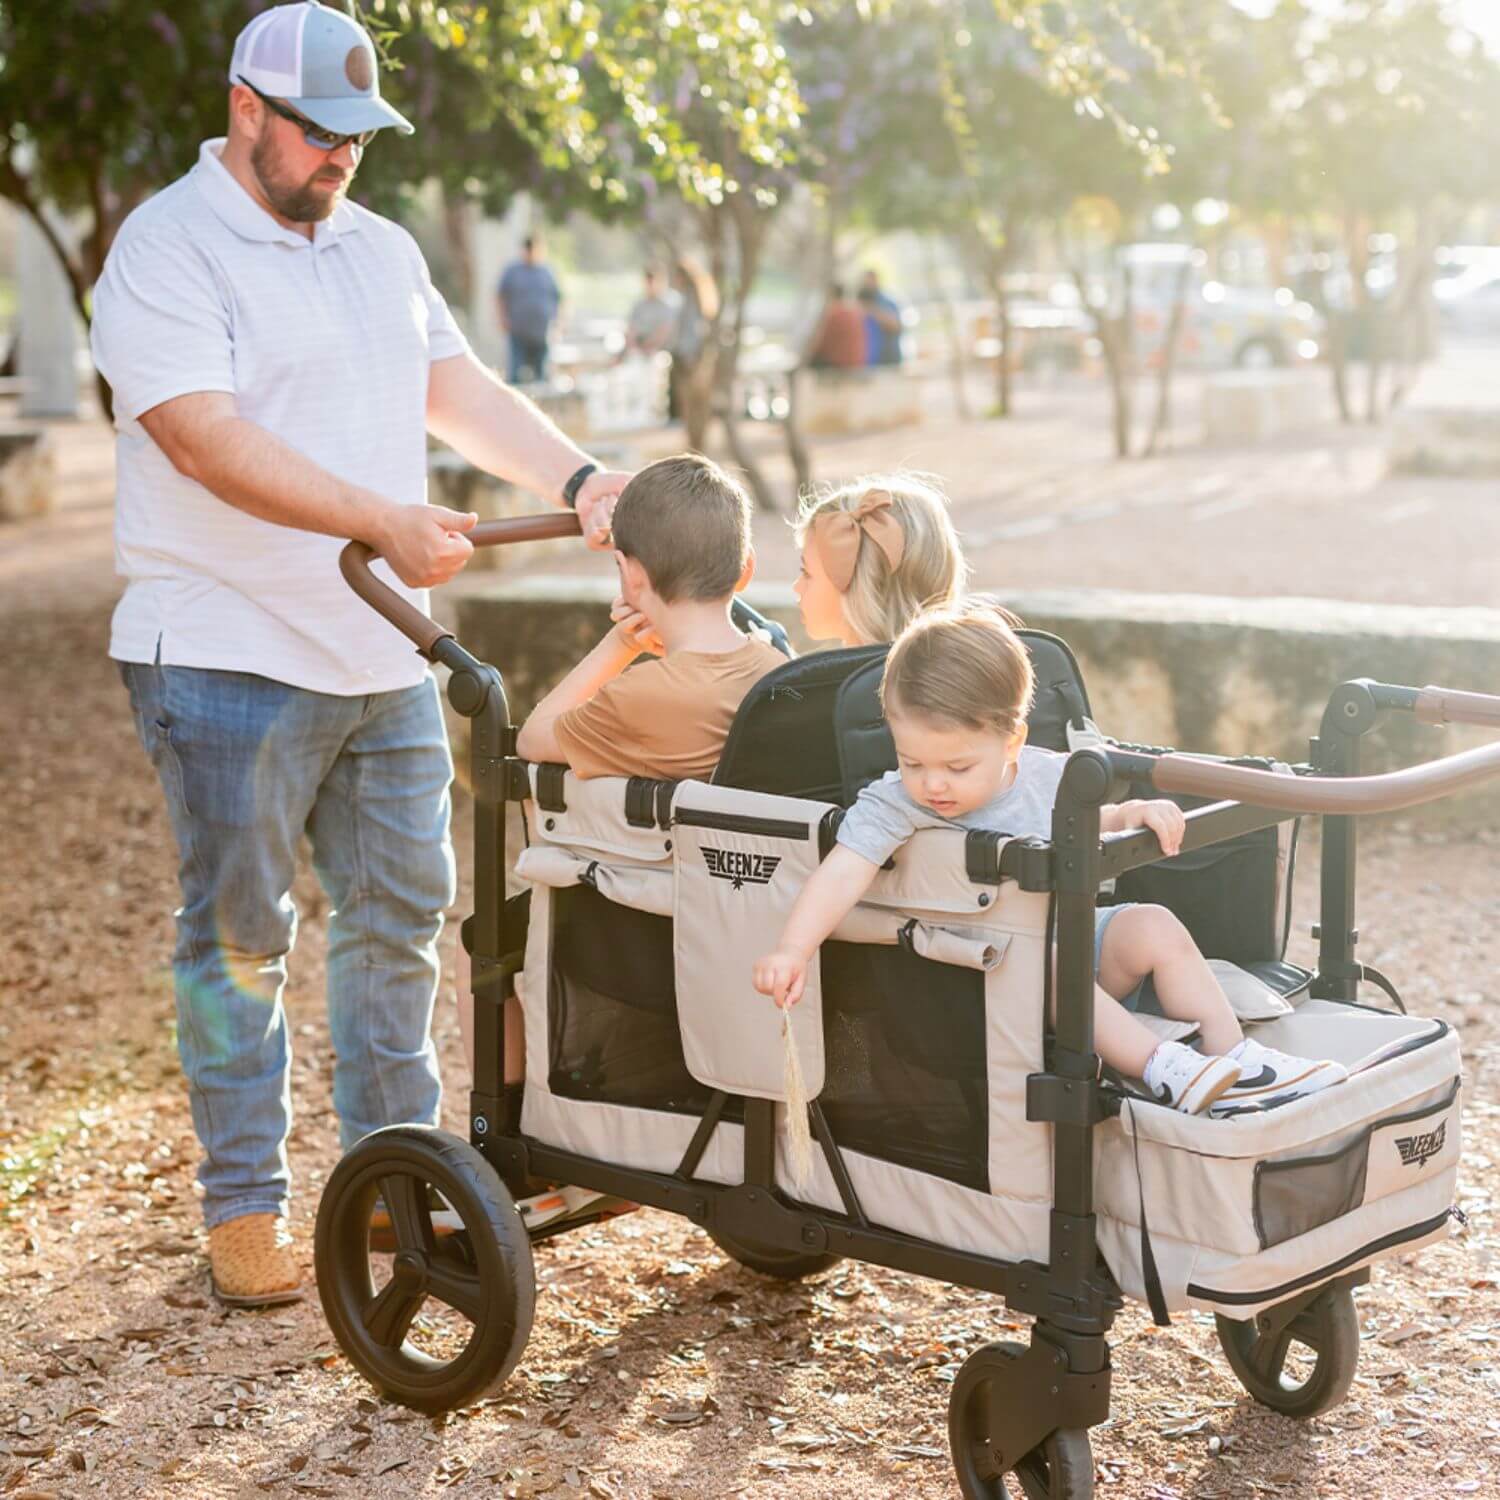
column 318, row 60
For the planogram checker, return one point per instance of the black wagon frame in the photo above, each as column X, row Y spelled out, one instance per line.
column 1060, row 1382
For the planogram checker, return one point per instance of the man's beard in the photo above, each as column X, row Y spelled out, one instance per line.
column 301, row 203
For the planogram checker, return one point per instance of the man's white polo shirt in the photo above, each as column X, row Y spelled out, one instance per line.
column 325, row 343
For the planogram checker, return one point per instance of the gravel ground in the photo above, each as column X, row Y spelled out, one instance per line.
column 655, row 1368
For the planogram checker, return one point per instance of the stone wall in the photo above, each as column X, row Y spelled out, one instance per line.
column 1226, row 675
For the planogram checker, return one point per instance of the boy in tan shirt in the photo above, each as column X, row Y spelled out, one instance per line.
column 681, row 531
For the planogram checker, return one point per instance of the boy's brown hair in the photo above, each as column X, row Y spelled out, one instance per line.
column 688, row 525
column 964, row 666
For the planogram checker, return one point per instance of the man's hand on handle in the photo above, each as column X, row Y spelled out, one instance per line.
column 424, row 544
column 596, row 505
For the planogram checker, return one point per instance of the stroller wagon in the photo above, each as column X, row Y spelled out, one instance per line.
column 956, row 1135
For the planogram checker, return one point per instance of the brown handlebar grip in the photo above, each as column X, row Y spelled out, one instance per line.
column 526, row 529
column 1327, row 794
column 355, row 560
column 354, row 564
column 1436, row 705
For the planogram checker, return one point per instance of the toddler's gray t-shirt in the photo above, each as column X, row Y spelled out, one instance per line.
column 885, row 814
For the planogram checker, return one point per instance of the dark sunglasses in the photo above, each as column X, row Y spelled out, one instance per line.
column 314, row 135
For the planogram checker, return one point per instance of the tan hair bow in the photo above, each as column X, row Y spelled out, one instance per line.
column 839, row 534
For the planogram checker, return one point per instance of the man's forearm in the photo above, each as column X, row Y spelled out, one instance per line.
column 498, row 429
column 253, row 470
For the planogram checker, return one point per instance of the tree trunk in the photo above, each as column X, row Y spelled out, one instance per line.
column 1114, row 339
column 1003, row 368
column 458, row 235
column 1162, row 421
column 748, row 238
column 957, row 354
column 796, row 444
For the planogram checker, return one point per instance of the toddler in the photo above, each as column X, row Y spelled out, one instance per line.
column 957, row 689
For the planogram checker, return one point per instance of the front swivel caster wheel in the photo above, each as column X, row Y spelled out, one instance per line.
column 1061, row 1467
column 424, row 1268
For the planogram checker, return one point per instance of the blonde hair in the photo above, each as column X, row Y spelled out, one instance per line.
column 964, row 666
column 881, row 601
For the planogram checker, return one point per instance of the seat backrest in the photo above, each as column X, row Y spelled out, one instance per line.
column 814, row 728
column 783, row 739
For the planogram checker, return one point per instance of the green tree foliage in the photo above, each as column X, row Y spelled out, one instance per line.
column 580, row 101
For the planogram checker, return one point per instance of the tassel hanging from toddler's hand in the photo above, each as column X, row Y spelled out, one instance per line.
column 794, row 1091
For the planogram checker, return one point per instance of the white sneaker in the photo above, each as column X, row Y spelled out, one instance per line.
column 1268, row 1078
column 1187, row 1080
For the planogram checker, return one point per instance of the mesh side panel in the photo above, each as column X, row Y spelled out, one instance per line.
column 905, row 1044
column 904, row 1038
column 612, row 1012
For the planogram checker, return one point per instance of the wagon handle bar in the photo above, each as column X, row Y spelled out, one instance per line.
column 1439, row 705
column 1340, row 795
column 423, row 632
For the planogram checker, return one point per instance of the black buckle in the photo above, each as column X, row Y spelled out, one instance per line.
column 982, row 856
column 549, row 787
column 640, row 802
column 517, row 780
column 1064, row 1101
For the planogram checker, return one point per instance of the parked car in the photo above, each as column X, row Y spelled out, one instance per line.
column 1223, row 326
column 1469, row 303
column 1050, row 328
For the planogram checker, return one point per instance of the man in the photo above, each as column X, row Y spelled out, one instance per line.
column 882, row 322
column 278, row 356
column 652, row 325
column 529, row 299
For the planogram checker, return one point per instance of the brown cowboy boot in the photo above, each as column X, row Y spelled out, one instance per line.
column 251, row 1262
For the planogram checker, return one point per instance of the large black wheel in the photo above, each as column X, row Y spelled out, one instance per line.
column 1304, row 1368
column 1062, row 1468
column 435, row 1309
column 784, row 1265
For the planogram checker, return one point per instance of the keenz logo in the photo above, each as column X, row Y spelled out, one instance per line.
column 1416, row 1149
column 737, row 867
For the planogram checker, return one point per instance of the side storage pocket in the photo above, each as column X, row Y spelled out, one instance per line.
column 1294, row 1195
column 741, row 859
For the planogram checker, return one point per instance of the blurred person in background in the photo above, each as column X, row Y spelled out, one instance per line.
column 529, row 299
column 652, row 325
column 882, row 322
column 839, row 342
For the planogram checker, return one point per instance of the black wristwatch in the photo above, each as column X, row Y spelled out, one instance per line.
column 575, row 483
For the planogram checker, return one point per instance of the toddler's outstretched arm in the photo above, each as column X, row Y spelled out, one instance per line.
column 830, row 893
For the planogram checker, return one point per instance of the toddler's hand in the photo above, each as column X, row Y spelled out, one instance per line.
column 1166, row 821
column 781, row 975
column 636, row 628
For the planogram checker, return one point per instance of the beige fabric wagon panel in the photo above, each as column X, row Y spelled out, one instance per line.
column 531, row 988
column 639, row 886
column 1020, row 1150
column 741, row 860
column 594, row 820
column 928, row 875
column 894, row 1197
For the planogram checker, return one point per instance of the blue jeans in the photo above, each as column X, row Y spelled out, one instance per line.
column 528, row 360
column 248, row 765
